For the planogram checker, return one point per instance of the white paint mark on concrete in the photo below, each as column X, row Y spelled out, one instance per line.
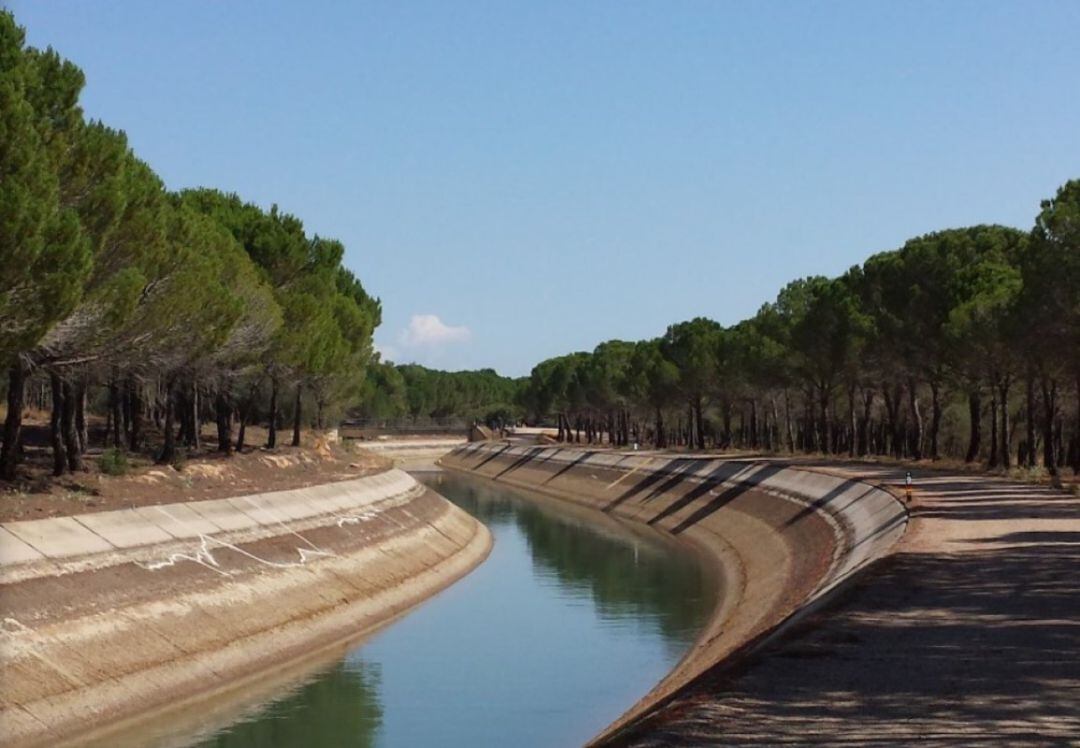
column 204, row 556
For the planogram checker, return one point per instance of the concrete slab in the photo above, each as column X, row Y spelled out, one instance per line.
column 15, row 551
column 271, row 510
column 350, row 495
column 326, row 499
column 64, row 537
column 58, row 537
column 294, row 504
column 179, row 520
column 125, row 528
column 398, row 481
column 224, row 514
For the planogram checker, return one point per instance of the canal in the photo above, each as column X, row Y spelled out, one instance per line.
column 573, row 617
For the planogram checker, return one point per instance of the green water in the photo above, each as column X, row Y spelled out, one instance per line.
column 571, row 620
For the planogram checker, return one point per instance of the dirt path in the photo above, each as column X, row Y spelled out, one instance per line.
column 969, row 635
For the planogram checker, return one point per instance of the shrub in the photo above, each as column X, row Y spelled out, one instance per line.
column 180, row 458
column 113, row 462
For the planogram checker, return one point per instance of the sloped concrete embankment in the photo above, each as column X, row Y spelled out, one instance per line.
column 414, row 454
column 112, row 615
column 782, row 538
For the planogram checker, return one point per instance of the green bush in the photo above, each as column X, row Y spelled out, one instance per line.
column 113, row 462
column 180, row 458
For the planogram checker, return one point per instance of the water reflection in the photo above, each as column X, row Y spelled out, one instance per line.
column 339, row 707
column 664, row 587
column 573, row 617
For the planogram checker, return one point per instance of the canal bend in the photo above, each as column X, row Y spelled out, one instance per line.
column 573, row 617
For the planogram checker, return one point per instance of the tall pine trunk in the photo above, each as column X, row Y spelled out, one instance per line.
column 16, row 396
column 82, row 433
column 10, row 454
column 136, row 412
column 789, row 425
column 194, row 427
column 995, row 442
column 809, row 430
column 114, row 410
column 168, row 447
column 892, row 409
column 125, row 411
column 271, row 438
column 182, row 411
column 223, row 415
column 754, row 436
column 56, row 427
column 825, row 427
column 935, row 418
column 726, row 415
column 242, row 427
column 774, row 433
column 1029, row 451
column 1049, row 388
column 296, row 415
column 1076, row 433
column 975, row 416
column 864, row 422
column 71, row 436
column 852, row 422
column 1006, row 439
column 699, row 422
column 916, row 420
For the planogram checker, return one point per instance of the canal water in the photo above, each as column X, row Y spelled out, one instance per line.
column 572, row 618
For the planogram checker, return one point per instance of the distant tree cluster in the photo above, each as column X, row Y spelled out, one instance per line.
column 411, row 392
column 159, row 307
column 962, row 343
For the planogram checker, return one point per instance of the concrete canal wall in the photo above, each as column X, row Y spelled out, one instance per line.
column 112, row 615
column 414, row 454
column 783, row 538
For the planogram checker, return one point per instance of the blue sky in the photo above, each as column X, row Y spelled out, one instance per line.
column 520, row 180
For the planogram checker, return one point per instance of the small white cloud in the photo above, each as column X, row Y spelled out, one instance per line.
column 426, row 330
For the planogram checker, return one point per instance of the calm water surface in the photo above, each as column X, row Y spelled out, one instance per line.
column 571, row 620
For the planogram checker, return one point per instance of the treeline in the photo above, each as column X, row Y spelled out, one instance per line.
column 171, row 308
column 392, row 392
column 963, row 343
